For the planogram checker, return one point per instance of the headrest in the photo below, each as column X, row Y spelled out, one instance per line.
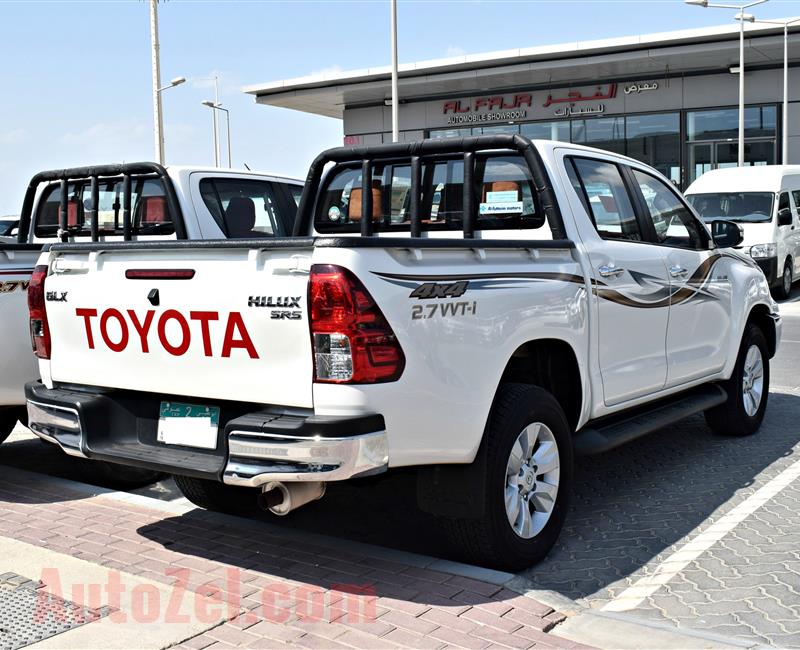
column 354, row 207
column 72, row 213
column 500, row 186
column 608, row 202
column 154, row 210
column 240, row 215
column 505, row 186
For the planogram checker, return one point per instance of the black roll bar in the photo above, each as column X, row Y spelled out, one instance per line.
column 93, row 174
column 468, row 146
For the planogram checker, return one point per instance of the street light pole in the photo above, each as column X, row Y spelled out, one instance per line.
column 785, row 117
column 741, row 89
column 216, row 106
column 741, row 17
column 217, row 156
column 395, row 91
column 158, row 122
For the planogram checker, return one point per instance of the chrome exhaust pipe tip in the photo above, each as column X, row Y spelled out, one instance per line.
column 282, row 498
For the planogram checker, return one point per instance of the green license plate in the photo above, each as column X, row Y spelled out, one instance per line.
column 188, row 425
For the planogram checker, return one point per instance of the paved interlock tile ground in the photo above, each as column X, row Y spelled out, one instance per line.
column 277, row 591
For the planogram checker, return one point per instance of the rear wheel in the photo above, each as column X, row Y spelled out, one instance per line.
column 528, row 477
column 784, row 289
column 218, row 497
column 748, row 389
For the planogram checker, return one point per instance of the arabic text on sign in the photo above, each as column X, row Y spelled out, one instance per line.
column 571, row 111
column 640, row 88
column 576, row 96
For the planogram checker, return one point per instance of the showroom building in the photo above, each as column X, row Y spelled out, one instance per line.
column 668, row 99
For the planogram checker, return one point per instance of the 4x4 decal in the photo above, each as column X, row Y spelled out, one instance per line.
column 430, row 290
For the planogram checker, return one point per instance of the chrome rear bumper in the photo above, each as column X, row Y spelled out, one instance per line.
column 256, row 459
column 251, row 450
column 57, row 424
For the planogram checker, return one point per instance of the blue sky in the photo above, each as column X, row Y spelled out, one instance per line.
column 76, row 75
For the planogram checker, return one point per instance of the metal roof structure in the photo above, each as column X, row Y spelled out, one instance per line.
column 665, row 54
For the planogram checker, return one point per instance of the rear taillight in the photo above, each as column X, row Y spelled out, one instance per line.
column 40, row 332
column 353, row 342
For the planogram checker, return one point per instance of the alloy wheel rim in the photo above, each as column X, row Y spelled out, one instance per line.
column 532, row 477
column 753, row 380
column 787, row 280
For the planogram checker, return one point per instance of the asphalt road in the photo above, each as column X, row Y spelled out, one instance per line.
column 663, row 529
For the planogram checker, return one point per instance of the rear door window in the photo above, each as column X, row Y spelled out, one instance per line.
column 603, row 193
column 503, row 195
column 150, row 214
column 246, row 208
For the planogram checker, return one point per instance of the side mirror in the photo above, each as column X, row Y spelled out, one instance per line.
column 785, row 217
column 726, row 234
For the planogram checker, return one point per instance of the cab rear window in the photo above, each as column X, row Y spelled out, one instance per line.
column 503, row 192
column 150, row 214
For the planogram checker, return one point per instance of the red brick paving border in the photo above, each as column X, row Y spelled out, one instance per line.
column 411, row 606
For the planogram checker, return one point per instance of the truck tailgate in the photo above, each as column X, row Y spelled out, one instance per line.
column 178, row 322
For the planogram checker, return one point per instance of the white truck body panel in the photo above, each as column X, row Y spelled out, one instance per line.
column 17, row 362
column 265, row 360
column 628, row 353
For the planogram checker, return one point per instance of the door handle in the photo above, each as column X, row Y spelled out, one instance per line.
column 678, row 272
column 610, row 271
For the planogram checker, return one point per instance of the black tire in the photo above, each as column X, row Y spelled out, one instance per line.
column 731, row 418
column 118, row 477
column 490, row 539
column 218, row 497
column 784, row 289
column 8, row 420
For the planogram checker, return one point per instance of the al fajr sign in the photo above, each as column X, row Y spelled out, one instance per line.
column 493, row 103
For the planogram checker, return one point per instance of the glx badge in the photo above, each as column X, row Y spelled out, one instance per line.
column 56, row 296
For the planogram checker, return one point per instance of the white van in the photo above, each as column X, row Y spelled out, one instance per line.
column 765, row 200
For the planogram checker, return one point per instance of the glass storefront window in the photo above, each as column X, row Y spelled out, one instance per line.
column 655, row 138
column 503, row 128
column 723, row 124
column 449, row 133
column 547, row 131
column 602, row 132
column 656, row 141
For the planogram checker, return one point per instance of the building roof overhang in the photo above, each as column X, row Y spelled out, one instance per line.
column 693, row 51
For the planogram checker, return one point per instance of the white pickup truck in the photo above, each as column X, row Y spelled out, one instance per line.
column 479, row 308
column 172, row 203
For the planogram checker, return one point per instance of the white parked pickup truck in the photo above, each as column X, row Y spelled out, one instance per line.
column 172, row 203
column 453, row 305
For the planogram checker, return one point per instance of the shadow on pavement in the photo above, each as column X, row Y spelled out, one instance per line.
column 629, row 505
column 25, row 451
column 250, row 546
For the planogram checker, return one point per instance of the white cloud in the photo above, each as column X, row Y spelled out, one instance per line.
column 455, row 50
